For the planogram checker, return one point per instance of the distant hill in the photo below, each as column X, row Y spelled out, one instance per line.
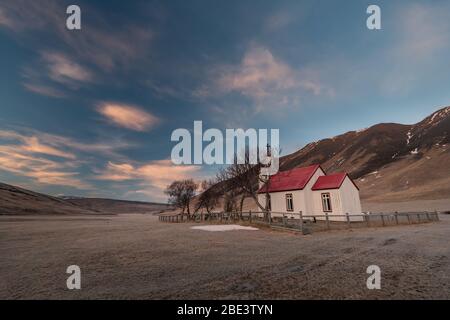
column 15, row 200
column 118, row 206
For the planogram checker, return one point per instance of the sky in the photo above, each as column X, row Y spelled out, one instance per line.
column 90, row 112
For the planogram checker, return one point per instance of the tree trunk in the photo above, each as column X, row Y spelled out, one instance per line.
column 241, row 205
column 188, row 209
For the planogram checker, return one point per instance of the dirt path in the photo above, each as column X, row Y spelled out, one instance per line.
column 137, row 257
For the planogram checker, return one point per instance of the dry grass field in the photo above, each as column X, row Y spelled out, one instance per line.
column 137, row 257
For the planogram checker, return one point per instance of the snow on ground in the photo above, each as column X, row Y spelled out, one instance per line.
column 408, row 137
column 227, row 227
column 361, row 130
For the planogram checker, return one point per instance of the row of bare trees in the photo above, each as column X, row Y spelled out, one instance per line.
column 233, row 183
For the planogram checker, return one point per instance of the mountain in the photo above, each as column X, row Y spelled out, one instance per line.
column 15, row 200
column 388, row 161
column 118, row 206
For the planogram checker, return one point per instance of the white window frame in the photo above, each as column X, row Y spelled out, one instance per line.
column 289, row 202
column 326, row 202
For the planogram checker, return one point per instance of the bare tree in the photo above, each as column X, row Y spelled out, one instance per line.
column 181, row 193
column 245, row 177
column 209, row 198
column 229, row 202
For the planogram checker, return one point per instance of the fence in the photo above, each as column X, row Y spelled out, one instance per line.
column 308, row 223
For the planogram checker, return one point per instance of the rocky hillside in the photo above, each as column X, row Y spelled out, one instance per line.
column 389, row 161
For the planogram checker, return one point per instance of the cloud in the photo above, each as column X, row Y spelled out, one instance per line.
column 152, row 177
column 279, row 20
column 62, row 69
column 33, row 145
column 94, row 53
column 44, row 90
column 420, row 42
column 266, row 80
column 127, row 116
column 20, row 161
column 50, row 159
column 100, row 43
column 5, row 20
column 27, row 137
column 55, row 69
column 423, row 31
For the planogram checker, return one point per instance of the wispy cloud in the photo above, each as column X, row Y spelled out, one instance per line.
column 263, row 78
column 50, row 159
column 103, row 44
column 32, row 144
column 152, row 177
column 62, row 69
column 5, row 20
column 55, row 70
column 20, row 160
column 81, row 57
column 421, row 35
column 127, row 116
column 44, row 90
column 279, row 20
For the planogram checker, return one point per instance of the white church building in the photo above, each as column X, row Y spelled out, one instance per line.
column 314, row 193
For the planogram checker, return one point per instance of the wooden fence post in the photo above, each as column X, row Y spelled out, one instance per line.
column 409, row 218
column 382, row 219
column 418, row 218
column 284, row 220
column 396, row 218
column 348, row 219
column 437, row 215
column 301, row 221
column 328, row 220
column 368, row 220
column 428, row 216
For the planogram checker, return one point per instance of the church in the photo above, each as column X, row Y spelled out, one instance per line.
column 312, row 192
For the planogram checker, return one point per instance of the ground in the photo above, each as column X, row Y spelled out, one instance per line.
column 137, row 257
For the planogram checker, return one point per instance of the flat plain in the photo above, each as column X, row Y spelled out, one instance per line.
column 134, row 256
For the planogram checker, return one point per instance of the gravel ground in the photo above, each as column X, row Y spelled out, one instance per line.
column 138, row 257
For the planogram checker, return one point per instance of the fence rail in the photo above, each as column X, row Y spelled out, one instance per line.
column 307, row 223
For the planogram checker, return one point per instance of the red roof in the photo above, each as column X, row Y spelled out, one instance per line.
column 332, row 181
column 295, row 179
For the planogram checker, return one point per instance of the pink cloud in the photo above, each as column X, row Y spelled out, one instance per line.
column 127, row 116
column 155, row 175
column 268, row 81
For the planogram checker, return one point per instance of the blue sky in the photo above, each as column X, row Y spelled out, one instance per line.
column 90, row 112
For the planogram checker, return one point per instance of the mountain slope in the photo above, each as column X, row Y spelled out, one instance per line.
column 15, row 200
column 389, row 161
